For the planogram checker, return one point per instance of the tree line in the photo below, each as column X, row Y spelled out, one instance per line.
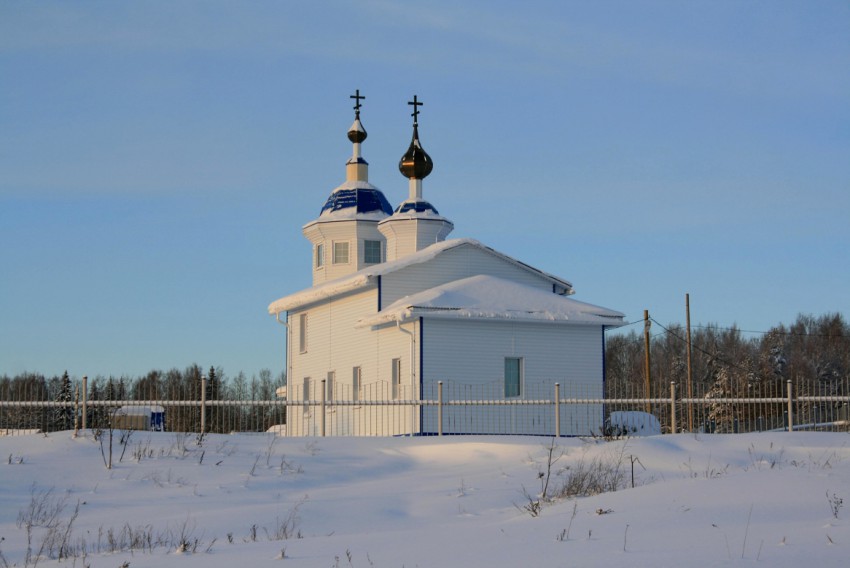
column 156, row 385
column 813, row 353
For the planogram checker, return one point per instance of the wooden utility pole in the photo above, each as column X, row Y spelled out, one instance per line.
column 646, row 325
column 690, row 368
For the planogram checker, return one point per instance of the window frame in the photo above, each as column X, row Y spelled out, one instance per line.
column 302, row 332
column 320, row 256
column 514, row 388
column 367, row 259
column 329, row 386
column 356, row 382
column 395, row 378
column 337, row 258
column 305, row 395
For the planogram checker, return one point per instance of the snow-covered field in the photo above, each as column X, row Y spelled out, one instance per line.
column 772, row 499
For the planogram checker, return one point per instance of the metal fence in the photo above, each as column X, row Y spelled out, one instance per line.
column 547, row 408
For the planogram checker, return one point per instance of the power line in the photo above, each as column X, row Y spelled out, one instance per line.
column 703, row 351
column 738, row 329
column 773, row 331
column 624, row 326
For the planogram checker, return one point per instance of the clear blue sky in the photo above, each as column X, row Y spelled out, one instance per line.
column 158, row 159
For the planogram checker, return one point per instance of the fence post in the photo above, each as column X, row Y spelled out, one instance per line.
column 647, row 380
column 85, row 401
column 439, row 408
column 790, row 409
column 557, row 410
column 672, row 407
column 324, row 395
column 203, row 404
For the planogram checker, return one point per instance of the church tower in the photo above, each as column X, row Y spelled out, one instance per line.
column 415, row 224
column 345, row 236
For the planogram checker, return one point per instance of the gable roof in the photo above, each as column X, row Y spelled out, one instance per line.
column 492, row 298
column 366, row 276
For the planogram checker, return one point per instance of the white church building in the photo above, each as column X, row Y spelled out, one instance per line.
column 395, row 308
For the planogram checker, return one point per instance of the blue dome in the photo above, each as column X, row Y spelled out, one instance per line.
column 418, row 206
column 365, row 200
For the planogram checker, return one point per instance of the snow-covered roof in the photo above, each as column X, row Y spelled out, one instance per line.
column 363, row 277
column 416, row 206
column 492, row 298
column 354, row 198
column 138, row 410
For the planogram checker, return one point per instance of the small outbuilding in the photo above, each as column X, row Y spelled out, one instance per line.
column 150, row 418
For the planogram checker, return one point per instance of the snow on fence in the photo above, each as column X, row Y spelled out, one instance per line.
column 452, row 408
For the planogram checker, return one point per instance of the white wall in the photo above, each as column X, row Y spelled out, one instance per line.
column 468, row 356
column 335, row 344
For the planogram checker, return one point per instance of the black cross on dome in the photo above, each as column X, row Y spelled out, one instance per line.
column 415, row 114
column 357, row 96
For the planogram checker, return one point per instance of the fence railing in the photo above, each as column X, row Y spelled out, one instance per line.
column 452, row 408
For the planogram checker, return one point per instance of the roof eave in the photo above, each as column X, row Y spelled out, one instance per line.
column 412, row 313
column 317, row 294
column 356, row 281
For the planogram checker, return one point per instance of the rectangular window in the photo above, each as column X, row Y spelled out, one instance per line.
column 371, row 252
column 396, row 378
column 320, row 255
column 329, row 386
column 341, row 253
column 302, row 333
column 355, row 383
column 305, row 393
column 513, row 376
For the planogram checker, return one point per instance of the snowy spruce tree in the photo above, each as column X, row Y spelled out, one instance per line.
column 720, row 414
column 64, row 415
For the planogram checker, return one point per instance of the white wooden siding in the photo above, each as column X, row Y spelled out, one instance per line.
column 335, row 345
column 353, row 232
column 474, row 351
column 406, row 236
column 468, row 356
